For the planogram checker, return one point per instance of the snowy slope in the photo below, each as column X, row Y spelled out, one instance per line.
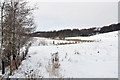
column 82, row 60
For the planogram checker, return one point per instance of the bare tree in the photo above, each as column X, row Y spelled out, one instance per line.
column 1, row 51
column 17, row 23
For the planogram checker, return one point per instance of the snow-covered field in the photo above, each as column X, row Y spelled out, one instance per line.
column 97, row 59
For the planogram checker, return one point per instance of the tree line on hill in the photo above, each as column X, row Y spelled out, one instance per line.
column 76, row 32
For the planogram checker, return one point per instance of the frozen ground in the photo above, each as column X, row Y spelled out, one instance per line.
column 97, row 59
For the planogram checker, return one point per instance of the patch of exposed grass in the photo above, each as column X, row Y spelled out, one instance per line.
column 79, row 40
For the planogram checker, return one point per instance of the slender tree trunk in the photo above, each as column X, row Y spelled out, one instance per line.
column 2, row 55
column 11, row 65
column 3, row 67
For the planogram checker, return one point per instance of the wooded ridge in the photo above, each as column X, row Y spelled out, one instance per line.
column 77, row 32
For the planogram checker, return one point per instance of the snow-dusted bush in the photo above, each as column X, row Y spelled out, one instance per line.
column 42, row 42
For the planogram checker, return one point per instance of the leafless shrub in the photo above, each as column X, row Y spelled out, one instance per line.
column 55, row 60
column 43, row 42
column 53, row 65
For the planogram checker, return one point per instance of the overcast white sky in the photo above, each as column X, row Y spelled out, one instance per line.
column 74, row 14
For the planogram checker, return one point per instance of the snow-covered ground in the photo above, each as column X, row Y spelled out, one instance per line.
column 97, row 59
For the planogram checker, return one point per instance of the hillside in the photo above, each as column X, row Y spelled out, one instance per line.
column 98, row 59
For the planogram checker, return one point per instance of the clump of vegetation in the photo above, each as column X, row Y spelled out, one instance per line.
column 54, row 66
column 42, row 42
column 55, row 60
column 76, row 52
